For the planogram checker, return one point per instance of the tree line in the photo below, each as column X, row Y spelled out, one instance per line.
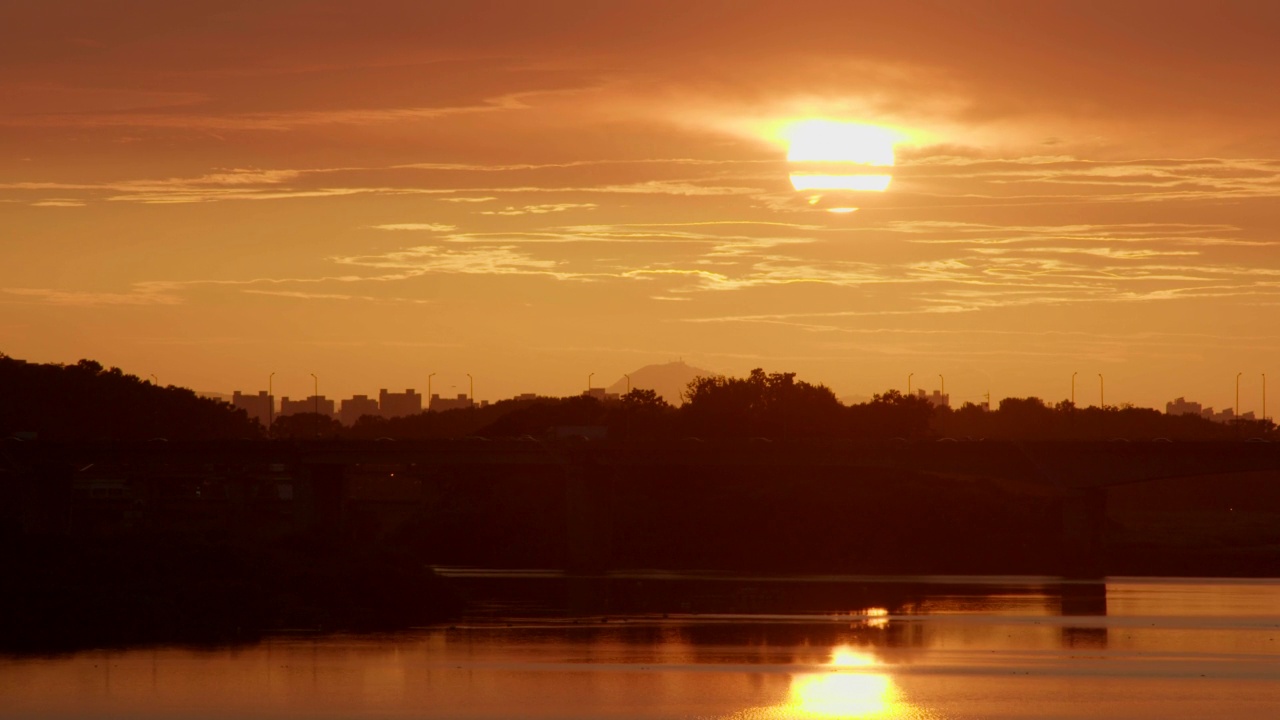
column 777, row 407
column 84, row 401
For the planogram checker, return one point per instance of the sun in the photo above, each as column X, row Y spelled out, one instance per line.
column 835, row 156
column 835, row 141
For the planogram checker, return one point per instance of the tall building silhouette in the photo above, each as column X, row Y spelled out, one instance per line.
column 399, row 404
column 937, row 398
column 439, row 404
column 311, row 404
column 257, row 406
column 355, row 408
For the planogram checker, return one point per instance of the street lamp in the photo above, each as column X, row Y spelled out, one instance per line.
column 1264, row 386
column 1238, row 395
column 1102, row 392
column 1073, row 388
column 473, row 389
column 315, row 397
column 909, row 382
column 429, row 391
column 589, row 376
column 1264, row 398
column 944, row 384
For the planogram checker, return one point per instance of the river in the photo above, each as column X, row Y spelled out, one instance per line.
column 728, row 649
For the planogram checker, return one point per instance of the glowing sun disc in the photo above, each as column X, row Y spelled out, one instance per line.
column 831, row 141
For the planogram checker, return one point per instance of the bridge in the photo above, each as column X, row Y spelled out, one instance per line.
column 1064, row 466
column 1075, row 476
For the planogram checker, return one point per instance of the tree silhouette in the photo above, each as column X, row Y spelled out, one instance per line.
column 890, row 415
column 771, row 405
column 86, row 402
column 642, row 413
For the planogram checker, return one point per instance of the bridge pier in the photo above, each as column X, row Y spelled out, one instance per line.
column 588, row 514
column 1084, row 514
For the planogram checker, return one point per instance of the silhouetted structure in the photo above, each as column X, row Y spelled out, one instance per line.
column 1181, row 406
column 937, row 398
column 357, row 407
column 258, row 407
column 312, row 404
column 399, row 404
column 439, row 404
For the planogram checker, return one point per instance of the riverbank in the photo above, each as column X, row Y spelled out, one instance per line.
column 67, row 593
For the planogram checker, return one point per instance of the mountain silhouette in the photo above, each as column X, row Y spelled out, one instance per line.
column 668, row 380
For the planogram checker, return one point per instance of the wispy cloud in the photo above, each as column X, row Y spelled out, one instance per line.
column 58, row 202
column 302, row 295
column 503, row 260
column 275, row 121
column 429, row 227
column 540, row 209
column 1057, row 179
column 84, row 298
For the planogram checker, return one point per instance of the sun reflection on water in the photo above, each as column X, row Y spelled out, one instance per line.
column 849, row 687
column 841, row 695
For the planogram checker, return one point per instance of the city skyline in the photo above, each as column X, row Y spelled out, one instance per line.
column 1251, row 400
column 1003, row 193
column 934, row 394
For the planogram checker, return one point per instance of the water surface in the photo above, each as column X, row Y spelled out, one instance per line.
column 977, row 648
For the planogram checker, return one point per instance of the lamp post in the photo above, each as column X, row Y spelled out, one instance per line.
column 1264, row 399
column 473, row 389
column 1238, row 396
column 1073, row 388
column 943, row 381
column 155, row 381
column 429, row 391
column 909, row 382
column 271, row 403
column 1102, row 392
column 315, row 397
column 589, row 376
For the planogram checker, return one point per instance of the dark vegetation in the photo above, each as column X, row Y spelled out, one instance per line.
column 776, row 406
column 85, row 402
column 64, row 592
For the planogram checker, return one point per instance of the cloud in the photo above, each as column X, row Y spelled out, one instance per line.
column 431, row 227
column 285, row 183
column 275, row 121
column 540, row 209
column 301, row 295
column 1056, row 179
column 84, row 298
column 503, row 260
column 58, row 203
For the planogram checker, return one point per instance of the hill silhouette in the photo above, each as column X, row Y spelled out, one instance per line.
column 86, row 402
column 669, row 380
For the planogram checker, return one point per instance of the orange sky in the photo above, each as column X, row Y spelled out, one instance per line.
column 533, row 191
